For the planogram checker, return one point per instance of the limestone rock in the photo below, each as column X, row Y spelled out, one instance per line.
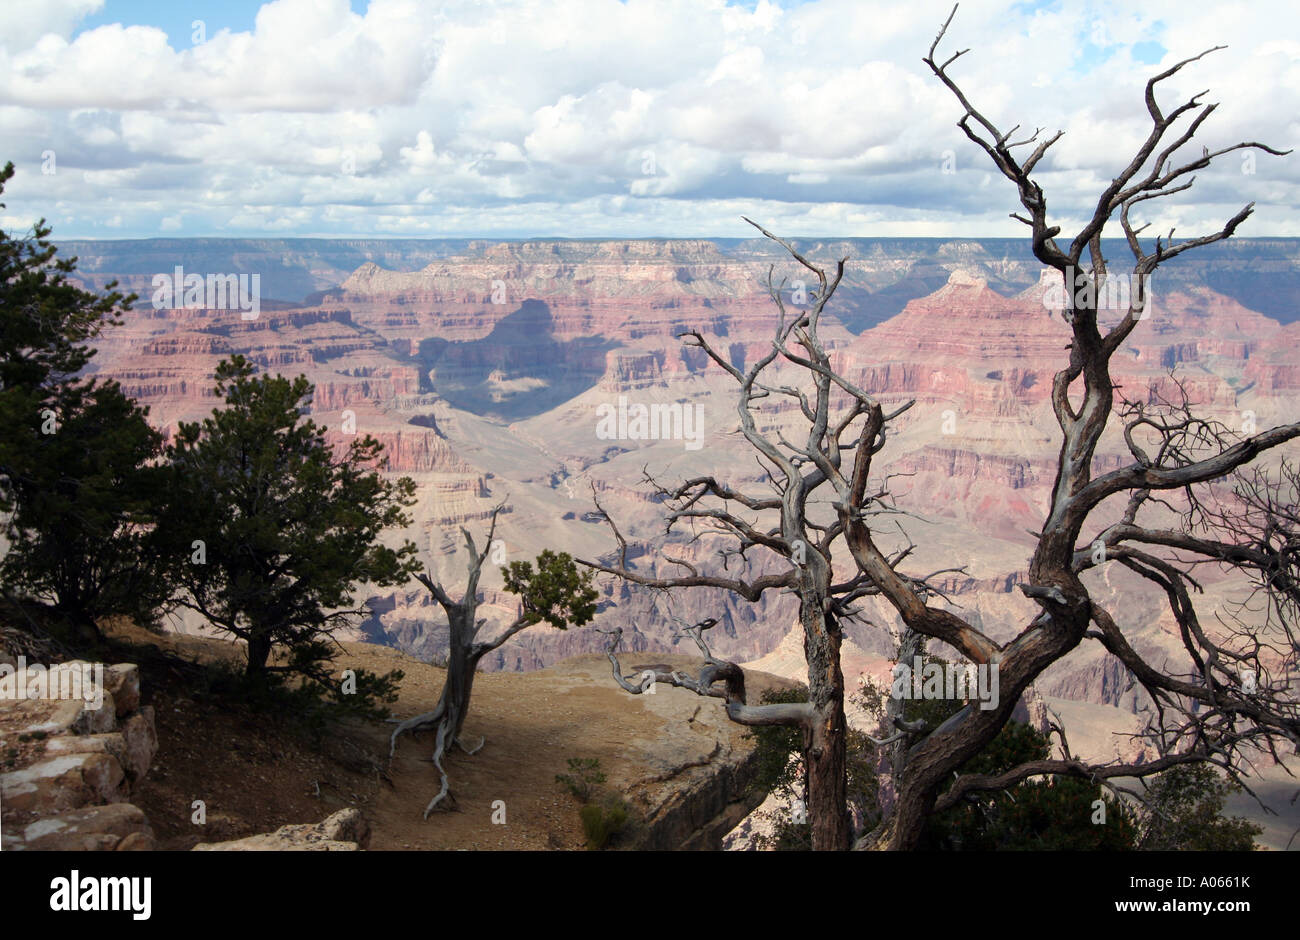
column 123, row 681
column 133, row 745
column 136, row 842
column 141, row 742
column 51, row 717
column 345, row 831
column 92, row 720
column 113, row 744
column 74, row 681
column 114, row 826
column 71, row 762
column 348, row 825
column 1032, row 711
column 684, row 768
column 69, row 781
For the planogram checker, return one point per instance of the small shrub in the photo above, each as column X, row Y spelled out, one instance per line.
column 583, row 777
column 603, row 821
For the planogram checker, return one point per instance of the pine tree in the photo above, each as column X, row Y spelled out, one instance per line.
column 269, row 532
column 75, row 453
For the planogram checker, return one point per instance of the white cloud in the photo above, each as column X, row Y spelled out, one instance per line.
column 22, row 24
column 543, row 117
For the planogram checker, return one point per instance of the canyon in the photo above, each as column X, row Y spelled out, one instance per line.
column 485, row 368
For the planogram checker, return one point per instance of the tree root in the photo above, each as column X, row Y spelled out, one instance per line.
column 439, row 719
column 422, row 722
column 475, row 749
column 445, row 787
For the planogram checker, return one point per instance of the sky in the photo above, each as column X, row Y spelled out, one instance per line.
column 644, row 118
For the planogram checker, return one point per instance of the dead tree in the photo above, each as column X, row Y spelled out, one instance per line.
column 1204, row 714
column 1263, row 511
column 846, row 426
column 556, row 592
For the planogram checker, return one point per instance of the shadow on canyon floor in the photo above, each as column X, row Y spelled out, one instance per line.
column 517, row 371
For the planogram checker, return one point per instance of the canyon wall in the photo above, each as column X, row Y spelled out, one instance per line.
column 485, row 370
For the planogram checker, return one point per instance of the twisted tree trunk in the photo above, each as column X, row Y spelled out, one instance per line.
column 462, row 664
column 825, row 742
column 555, row 594
column 448, row 718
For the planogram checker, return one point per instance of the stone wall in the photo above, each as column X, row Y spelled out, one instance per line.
column 68, row 766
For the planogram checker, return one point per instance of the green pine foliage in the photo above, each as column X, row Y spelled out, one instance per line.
column 269, row 532
column 77, row 457
column 555, row 592
column 1187, row 813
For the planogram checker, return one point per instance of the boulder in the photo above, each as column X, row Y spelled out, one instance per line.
column 113, row 744
column 141, row 742
column 68, row 781
column 94, row 720
column 136, row 842
column 72, row 761
column 52, row 717
column 122, row 680
column 115, row 826
column 78, row 679
column 345, row 831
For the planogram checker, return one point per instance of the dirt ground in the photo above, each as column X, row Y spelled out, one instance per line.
column 255, row 774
